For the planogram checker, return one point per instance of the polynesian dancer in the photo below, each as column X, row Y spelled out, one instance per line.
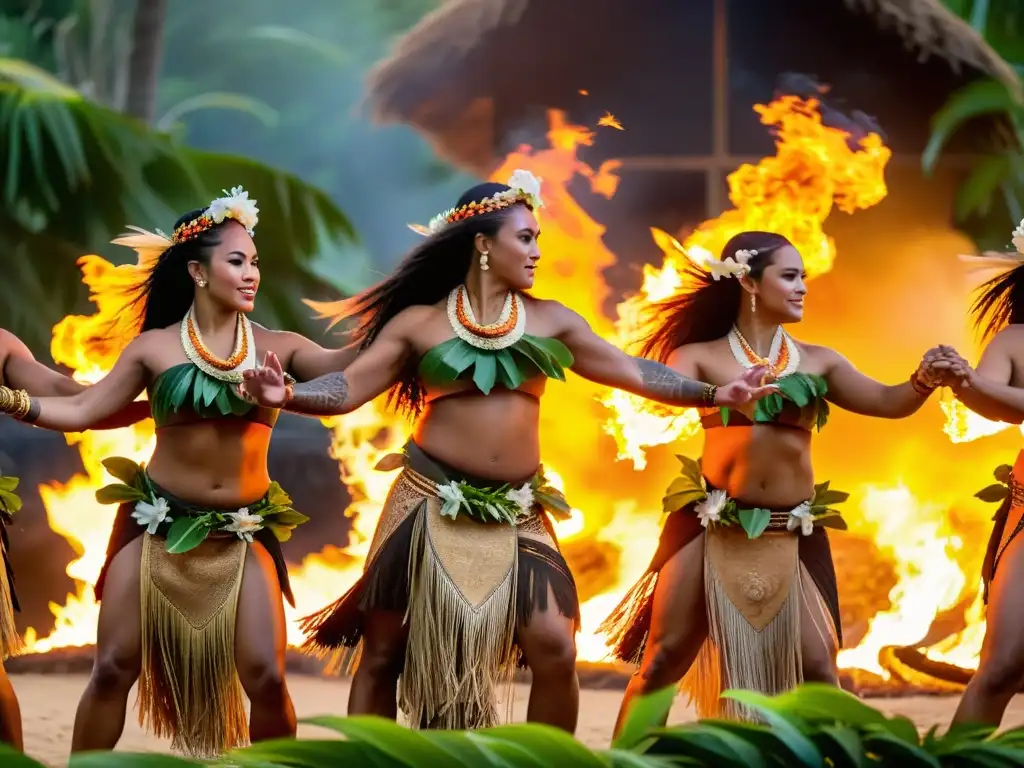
column 19, row 369
column 464, row 579
column 193, row 582
column 741, row 592
column 995, row 391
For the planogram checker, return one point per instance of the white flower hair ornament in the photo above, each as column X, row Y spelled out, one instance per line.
column 737, row 265
column 523, row 187
column 234, row 205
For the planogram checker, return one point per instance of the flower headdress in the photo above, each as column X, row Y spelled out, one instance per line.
column 234, row 205
column 998, row 259
column 149, row 245
column 524, row 187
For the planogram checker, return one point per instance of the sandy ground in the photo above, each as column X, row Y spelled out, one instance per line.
column 48, row 705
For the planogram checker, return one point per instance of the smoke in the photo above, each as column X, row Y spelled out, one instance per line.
column 853, row 121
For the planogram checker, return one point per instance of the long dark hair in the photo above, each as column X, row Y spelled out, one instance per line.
column 425, row 276
column 1000, row 302
column 707, row 308
column 163, row 298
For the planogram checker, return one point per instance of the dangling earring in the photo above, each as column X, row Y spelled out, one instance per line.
column 483, row 261
column 201, row 283
column 753, row 304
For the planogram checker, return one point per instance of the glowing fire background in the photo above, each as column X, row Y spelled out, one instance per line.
column 908, row 568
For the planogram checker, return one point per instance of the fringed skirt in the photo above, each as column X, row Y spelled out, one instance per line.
column 464, row 588
column 189, row 690
column 10, row 640
column 754, row 590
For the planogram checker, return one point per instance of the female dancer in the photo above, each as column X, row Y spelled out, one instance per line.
column 194, row 605
column 995, row 390
column 19, row 369
column 464, row 579
column 743, row 580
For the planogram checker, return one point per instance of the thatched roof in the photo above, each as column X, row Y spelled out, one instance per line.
column 441, row 74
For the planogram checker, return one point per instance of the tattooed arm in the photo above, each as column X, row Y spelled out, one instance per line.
column 597, row 360
column 372, row 373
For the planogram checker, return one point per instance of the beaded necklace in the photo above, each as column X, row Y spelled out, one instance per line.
column 503, row 333
column 783, row 355
column 242, row 358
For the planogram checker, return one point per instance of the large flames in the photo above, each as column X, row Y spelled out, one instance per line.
column 903, row 512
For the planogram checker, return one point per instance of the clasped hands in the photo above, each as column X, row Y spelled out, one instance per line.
column 942, row 366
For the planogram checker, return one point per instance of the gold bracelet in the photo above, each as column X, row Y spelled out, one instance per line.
column 922, row 389
column 25, row 407
column 708, row 395
column 15, row 402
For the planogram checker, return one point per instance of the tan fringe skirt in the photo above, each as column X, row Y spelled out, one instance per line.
column 189, row 690
column 10, row 641
column 755, row 591
column 463, row 586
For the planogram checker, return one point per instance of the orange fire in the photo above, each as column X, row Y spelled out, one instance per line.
column 813, row 171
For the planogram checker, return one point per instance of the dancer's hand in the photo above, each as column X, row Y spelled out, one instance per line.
column 943, row 366
column 751, row 386
column 265, row 385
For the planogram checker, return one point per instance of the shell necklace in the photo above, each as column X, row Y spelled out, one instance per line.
column 504, row 332
column 783, row 355
column 242, row 358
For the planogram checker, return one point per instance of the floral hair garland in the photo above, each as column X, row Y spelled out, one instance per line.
column 234, row 205
column 523, row 187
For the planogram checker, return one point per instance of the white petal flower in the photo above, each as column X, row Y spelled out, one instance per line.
column 235, row 205
column 451, row 492
column 710, row 510
column 522, row 498
column 244, row 524
column 151, row 515
column 526, row 184
column 727, row 267
column 801, row 517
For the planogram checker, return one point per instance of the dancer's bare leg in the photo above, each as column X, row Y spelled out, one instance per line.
column 549, row 645
column 374, row 688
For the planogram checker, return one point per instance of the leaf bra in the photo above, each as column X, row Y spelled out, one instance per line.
column 530, row 356
column 184, row 387
column 802, row 390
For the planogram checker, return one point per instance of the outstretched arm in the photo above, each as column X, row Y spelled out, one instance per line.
column 986, row 390
column 372, row 373
column 307, row 360
column 93, row 405
column 598, row 361
column 852, row 391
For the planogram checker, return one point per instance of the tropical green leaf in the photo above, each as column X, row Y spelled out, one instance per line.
column 754, row 521
column 288, row 516
column 981, row 97
column 187, row 533
column 841, row 746
column 832, row 519
column 119, row 760
column 711, row 743
column 828, row 498
column 644, row 713
column 309, row 753
column 786, row 726
column 553, row 348
column 724, row 412
column 820, row 703
column 677, row 501
column 223, row 100
column 405, row 746
column 125, row 470
column 485, row 373
column 118, row 493
column 994, row 493
column 976, row 193
column 9, row 484
column 509, row 374
column 555, row 746
column 905, row 753
column 296, row 40
column 11, row 502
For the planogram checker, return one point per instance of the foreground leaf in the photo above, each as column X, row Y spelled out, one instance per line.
column 787, row 727
column 645, row 713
